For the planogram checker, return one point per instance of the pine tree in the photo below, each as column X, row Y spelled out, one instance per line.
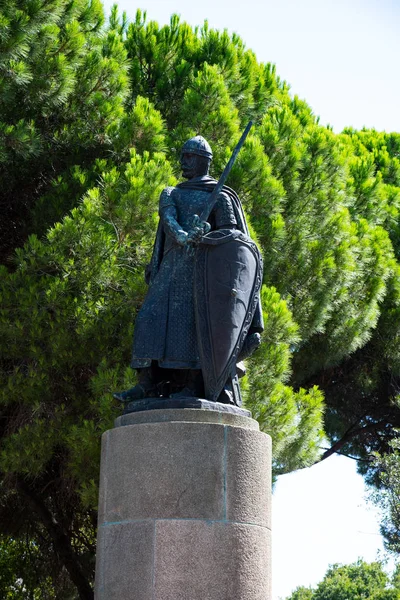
column 92, row 120
column 361, row 391
column 62, row 83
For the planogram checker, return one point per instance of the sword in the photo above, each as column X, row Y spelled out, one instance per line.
column 214, row 195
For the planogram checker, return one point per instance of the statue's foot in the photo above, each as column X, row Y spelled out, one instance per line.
column 226, row 397
column 139, row 392
column 186, row 392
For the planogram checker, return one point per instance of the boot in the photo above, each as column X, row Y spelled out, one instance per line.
column 231, row 392
column 145, row 388
column 188, row 384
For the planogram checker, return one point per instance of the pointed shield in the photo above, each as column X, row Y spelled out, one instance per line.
column 228, row 275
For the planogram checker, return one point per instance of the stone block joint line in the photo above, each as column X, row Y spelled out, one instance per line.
column 170, row 519
column 154, row 558
column 225, row 469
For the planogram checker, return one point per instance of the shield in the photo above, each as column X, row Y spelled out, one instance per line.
column 228, row 275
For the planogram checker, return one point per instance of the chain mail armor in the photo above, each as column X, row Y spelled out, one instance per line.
column 165, row 329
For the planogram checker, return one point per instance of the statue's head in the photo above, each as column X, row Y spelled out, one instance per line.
column 196, row 156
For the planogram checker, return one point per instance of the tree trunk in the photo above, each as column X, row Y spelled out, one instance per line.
column 61, row 541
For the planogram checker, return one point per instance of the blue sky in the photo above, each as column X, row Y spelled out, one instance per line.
column 342, row 57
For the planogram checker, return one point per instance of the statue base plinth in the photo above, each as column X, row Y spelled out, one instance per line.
column 184, row 508
column 181, row 403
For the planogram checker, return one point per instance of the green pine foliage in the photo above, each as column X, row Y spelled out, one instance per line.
column 357, row 581
column 63, row 80
column 78, row 292
column 361, row 391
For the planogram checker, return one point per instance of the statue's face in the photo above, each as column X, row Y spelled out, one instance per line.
column 189, row 165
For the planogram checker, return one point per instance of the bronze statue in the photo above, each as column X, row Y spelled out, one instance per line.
column 201, row 315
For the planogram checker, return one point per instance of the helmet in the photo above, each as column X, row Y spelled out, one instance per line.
column 197, row 145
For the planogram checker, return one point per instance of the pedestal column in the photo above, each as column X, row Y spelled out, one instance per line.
column 184, row 510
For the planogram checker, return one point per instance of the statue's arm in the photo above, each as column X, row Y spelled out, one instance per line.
column 223, row 213
column 169, row 215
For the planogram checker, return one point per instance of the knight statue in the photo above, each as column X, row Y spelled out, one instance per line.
column 201, row 316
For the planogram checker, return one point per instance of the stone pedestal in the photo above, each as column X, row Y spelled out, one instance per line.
column 184, row 510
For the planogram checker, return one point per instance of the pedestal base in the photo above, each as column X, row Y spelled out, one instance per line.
column 179, row 403
column 184, row 511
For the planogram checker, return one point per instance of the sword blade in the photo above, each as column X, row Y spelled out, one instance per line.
column 214, row 195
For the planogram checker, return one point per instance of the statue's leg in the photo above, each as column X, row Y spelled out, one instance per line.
column 195, row 382
column 145, row 388
column 188, row 383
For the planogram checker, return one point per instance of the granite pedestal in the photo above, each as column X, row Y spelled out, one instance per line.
column 184, row 510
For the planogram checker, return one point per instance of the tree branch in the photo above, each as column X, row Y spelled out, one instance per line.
column 350, row 434
column 366, row 460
